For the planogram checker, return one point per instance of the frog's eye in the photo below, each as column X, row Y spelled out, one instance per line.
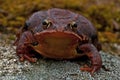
column 73, row 25
column 46, row 24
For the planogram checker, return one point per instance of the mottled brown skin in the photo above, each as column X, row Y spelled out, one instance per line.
column 59, row 34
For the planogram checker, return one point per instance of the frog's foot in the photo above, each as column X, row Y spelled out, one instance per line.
column 23, row 50
column 91, row 52
column 90, row 69
column 22, row 58
column 26, row 56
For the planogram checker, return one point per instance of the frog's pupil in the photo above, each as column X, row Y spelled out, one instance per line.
column 74, row 25
column 45, row 23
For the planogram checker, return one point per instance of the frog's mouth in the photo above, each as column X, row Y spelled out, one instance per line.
column 56, row 44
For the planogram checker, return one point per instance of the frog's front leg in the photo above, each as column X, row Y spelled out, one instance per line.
column 91, row 51
column 23, row 48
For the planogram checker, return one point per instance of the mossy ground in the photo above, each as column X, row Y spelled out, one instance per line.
column 104, row 14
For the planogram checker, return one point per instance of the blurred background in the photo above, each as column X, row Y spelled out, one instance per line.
column 104, row 14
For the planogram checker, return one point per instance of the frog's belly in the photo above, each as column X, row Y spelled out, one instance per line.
column 58, row 52
column 57, row 44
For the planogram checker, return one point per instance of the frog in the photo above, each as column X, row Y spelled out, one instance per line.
column 59, row 34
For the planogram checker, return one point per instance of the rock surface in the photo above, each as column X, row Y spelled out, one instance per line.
column 44, row 69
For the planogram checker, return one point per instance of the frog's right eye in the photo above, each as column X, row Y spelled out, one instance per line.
column 46, row 24
column 73, row 25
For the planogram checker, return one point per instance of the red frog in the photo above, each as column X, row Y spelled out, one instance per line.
column 59, row 34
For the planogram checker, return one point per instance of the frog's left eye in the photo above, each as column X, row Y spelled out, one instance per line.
column 73, row 25
column 46, row 24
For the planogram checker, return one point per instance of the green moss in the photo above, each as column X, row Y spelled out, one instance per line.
column 101, row 13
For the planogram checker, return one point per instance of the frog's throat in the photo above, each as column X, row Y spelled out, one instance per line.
column 56, row 44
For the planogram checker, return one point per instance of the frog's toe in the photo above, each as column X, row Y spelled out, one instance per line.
column 31, row 59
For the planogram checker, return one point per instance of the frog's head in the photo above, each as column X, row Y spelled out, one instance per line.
column 59, row 42
column 57, row 34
